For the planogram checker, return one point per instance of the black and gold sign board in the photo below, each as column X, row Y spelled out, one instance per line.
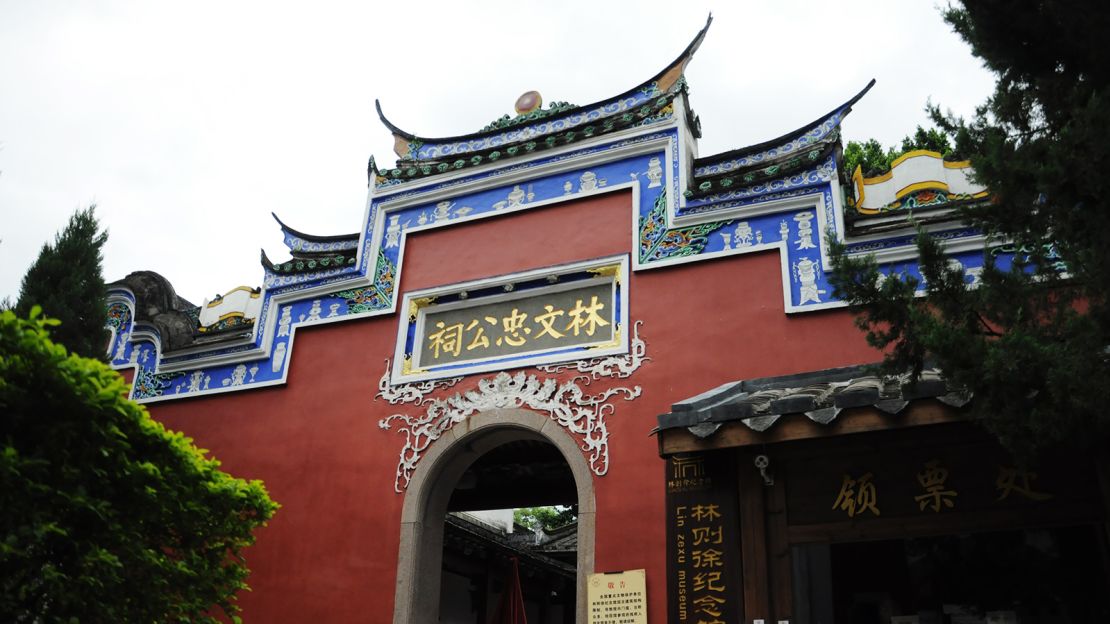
column 703, row 545
column 546, row 320
column 543, row 316
column 930, row 480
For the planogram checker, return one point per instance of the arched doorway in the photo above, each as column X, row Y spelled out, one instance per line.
column 427, row 499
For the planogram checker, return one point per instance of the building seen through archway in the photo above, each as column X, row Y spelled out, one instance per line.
column 481, row 540
column 462, row 557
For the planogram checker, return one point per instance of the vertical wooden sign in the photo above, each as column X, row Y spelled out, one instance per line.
column 703, row 546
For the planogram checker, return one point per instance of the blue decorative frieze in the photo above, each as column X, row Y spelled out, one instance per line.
column 908, row 241
column 437, row 151
column 149, row 385
column 296, row 279
column 795, row 144
column 268, row 370
column 740, row 203
column 297, row 243
column 119, row 322
column 645, row 172
column 176, row 359
column 789, row 215
column 970, row 262
column 651, row 173
column 513, row 168
column 822, row 174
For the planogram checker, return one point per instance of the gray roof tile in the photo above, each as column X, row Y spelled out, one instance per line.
column 819, row 396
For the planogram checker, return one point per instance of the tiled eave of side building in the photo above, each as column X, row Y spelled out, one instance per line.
column 808, row 405
column 462, row 533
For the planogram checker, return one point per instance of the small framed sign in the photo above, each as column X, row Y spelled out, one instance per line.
column 543, row 316
column 617, row 597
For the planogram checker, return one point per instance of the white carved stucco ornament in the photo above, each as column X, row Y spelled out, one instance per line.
column 567, row 403
column 242, row 301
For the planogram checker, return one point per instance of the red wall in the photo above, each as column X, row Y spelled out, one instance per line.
column 330, row 553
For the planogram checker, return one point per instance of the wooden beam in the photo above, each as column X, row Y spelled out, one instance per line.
column 753, row 544
column 1102, row 469
column 943, row 524
column 778, row 548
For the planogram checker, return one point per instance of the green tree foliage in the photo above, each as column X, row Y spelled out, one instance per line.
column 547, row 518
column 931, row 139
column 1031, row 341
column 105, row 516
column 874, row 159
column 67, row 282
column 869, row 155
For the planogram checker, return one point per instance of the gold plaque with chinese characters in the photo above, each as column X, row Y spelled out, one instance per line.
column 545, row 316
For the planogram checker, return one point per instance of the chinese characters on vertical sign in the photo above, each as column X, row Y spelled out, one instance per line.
column 709, row 588
column 703, row 550
column 617, row 597
column 860, row 495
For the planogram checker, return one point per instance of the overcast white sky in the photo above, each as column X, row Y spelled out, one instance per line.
column 187, row 123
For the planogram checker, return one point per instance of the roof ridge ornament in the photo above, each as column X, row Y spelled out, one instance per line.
column 528, row 102
column 532, row 114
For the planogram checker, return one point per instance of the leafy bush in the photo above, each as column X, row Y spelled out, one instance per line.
column 106, row 515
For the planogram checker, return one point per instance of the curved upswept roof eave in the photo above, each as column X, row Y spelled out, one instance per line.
column 683, row 58
column 267, row 264
column 313, row 237
column 759, row 147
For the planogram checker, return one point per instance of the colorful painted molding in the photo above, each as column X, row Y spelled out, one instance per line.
column 916, row 179
column 782, row 195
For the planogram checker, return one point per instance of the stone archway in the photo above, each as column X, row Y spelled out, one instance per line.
column 419, row 561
